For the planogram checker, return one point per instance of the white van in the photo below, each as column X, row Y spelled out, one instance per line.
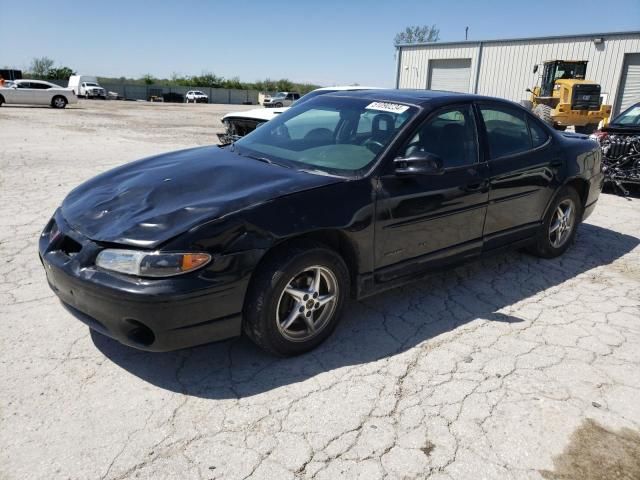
column 86, row 86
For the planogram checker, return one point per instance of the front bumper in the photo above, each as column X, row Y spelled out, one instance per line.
column 149, row 314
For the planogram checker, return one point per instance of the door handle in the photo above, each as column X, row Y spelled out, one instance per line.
column 474, row 187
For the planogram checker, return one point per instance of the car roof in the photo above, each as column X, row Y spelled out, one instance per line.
column 416, row 97
column 35, row 81
column 340, row 88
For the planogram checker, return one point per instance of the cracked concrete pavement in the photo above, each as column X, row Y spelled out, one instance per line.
column 484, row 371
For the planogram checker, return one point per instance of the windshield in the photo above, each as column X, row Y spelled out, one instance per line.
column 630, row 117
column 336, row 135
column 91, row 84
column 311, row 95
column 279, row 95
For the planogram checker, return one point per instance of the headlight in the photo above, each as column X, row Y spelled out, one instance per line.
column 150, row 264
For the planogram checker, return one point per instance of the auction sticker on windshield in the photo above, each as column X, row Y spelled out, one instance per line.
column 387, row 107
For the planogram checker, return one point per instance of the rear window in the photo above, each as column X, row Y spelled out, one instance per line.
column 507, row 131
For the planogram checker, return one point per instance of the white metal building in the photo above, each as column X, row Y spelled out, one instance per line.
column 504, row 68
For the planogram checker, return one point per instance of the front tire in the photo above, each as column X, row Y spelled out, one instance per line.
column 296, row 298
column 544, row 113
column 59, row 102
column 560, row 225
column 278, row 105
column 1, row 100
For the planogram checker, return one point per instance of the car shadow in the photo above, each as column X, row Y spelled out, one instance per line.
column 382, row 326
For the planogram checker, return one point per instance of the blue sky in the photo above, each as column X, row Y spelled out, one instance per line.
column 329, row 42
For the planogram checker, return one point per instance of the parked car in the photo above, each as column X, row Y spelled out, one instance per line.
column 239, row 124
column 344, row 195
column 37, row 92
column 86, row 86
column 281, row 99
column 620, row 143
column 196, row 96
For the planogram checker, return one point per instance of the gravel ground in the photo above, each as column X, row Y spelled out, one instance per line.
column 510, row 367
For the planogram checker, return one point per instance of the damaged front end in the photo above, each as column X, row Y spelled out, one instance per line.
column 620, row 159
column 236, row 128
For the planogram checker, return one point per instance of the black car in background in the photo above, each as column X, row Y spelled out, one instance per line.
column 342, row 196
column 620, row 142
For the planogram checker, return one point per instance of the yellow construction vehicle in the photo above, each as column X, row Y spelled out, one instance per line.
column 565, row 98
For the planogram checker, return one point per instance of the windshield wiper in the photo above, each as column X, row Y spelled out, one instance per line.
column 315, row 171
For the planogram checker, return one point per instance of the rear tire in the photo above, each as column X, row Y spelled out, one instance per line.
column 559, row 227
column 587, row 129
column 544, row 113
column 58, row 102
column 296, row 298
column 278, row 105
column 1, row 100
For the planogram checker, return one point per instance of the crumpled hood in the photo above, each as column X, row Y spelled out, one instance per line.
column 148, row 202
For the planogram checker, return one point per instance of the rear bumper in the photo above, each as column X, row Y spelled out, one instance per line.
column 148, row 314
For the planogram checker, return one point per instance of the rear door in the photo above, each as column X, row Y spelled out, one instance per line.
column 433, row 217
column 523, row 167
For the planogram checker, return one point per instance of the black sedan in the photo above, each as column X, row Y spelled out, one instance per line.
column 342, row 196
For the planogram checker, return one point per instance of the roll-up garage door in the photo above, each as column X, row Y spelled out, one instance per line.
column 630, row 84
column 450, row 74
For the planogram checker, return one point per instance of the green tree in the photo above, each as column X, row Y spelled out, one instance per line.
column 40, row 67
column 148, row 79
column 417, row 34
column 59, row 73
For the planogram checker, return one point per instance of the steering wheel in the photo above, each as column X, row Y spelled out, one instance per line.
column 374, row 145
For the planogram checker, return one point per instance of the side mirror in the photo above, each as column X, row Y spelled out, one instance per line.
column 535, row 68
column 419, row 164
column 528, row 90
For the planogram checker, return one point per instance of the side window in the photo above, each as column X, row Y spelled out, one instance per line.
column 24, row 85
column 296, row 96
column 538, row 135
column 450, row 134
column 507, row 131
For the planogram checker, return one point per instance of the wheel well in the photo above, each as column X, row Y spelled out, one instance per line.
column 333, row 239
column 1, row 99
column 582, row 187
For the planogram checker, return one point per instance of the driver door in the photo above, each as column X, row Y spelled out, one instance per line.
column 420, row 218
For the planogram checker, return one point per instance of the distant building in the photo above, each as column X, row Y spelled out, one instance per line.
column 504, row 68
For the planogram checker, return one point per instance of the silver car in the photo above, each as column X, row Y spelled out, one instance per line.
column 37, row 92
column 281, row 99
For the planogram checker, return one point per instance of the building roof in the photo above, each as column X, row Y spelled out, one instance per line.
column 522, row 39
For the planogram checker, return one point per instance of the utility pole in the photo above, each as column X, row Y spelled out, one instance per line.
column 466, row 33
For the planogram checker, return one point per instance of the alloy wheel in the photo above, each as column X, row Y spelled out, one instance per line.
column 307, row 303
column 562, row 223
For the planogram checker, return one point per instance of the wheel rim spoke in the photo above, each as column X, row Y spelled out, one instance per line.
column 295, row 313
column 311, row 327
column 317, row 277
column 323, row 300
column 297, row 293
column 554, row 227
